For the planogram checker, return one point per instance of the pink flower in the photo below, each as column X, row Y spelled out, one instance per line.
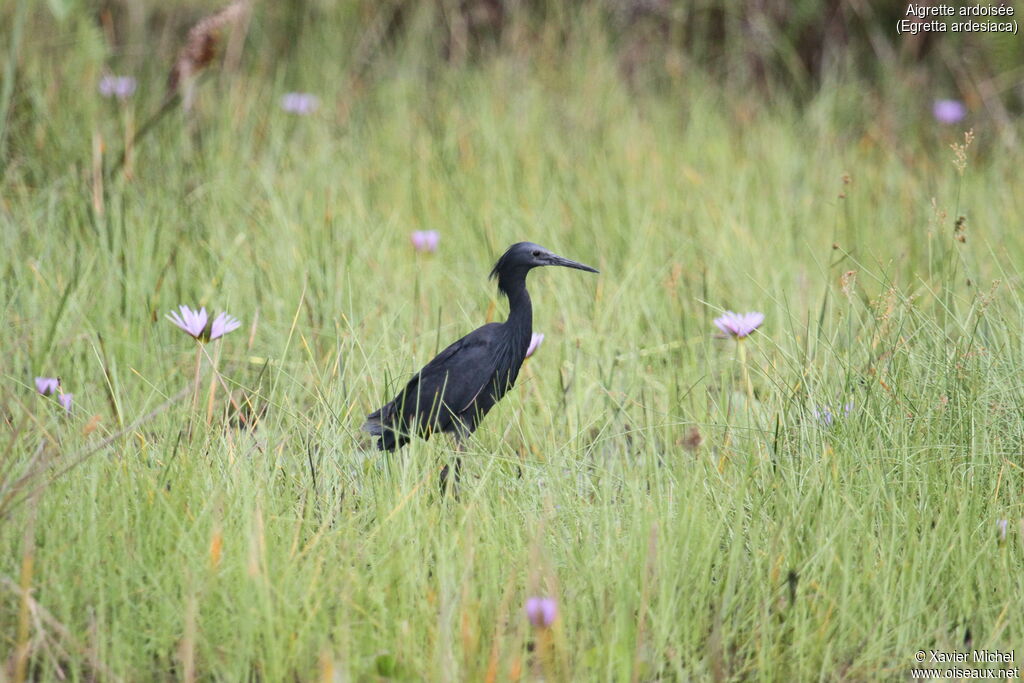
column 541, row 612
column 739, row 325
column 223, row 324
column 121, row 87
column 300, row 103
column 425, row 240
column 535, row 341
column 65, row 400
column 47, row 385
column 949, row 111
column 194, row 323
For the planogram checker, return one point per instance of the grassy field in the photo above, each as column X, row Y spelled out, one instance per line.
column 690, row 526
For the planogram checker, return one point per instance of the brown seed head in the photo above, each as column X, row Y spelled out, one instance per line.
column 200, row 47
column 693, row 440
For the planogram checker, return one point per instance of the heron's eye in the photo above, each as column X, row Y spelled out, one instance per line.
column 536, row 253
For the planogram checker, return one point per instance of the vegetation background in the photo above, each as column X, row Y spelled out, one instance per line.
column 212, row 511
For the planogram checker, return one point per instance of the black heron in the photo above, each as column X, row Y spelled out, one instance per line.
column 454, row 391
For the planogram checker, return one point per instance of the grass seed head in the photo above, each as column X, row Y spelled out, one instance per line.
column 202, row 42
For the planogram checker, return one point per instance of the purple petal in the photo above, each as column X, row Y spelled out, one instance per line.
column 425, row 240
column 121, row 87
column 223, row 324
column 65, row 400
column 826, row 416
column 299, row 103
column 177, row 320
column 823, row 415
column 47, row 385
column 535, row 341
column 541, row 612
column 949, row 112
column 192, row 322
column 752, row 321
column 726, row 323
column 739, row 325
column 199, row 320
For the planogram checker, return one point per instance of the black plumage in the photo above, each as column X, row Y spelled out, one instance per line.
column 454, row 391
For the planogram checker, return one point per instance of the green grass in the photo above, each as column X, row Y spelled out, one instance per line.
column 778, row 549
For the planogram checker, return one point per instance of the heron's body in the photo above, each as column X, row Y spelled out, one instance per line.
column 456, row 389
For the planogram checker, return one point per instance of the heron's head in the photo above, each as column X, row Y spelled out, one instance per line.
column 522, row 256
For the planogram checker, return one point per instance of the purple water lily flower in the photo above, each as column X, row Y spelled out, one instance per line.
column 535, row 341
column 300, row 103
column 65, row 400
column 194, row 323
column 47, row 385
column 121, row 87
column 541, row 612
column 425, row 240
column 949, row 112
column 223, row 324
column 739, row 325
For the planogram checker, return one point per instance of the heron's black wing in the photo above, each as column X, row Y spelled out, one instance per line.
column 444, row 388
column 457, row 375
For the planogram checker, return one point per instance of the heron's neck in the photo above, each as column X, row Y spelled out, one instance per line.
column 520, row 314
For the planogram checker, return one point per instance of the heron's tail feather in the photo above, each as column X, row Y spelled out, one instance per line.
column 377, row 425
column 373, row 423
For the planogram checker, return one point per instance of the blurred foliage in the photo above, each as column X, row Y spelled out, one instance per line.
column 770, row 43
column 782, row 50
column 790, row 45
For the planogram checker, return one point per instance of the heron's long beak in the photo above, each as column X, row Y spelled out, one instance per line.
column 559, row 261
